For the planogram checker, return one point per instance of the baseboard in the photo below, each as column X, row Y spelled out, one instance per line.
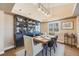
column 60, row 42
column 77, row 46
column 10, row 47
column 2, row 52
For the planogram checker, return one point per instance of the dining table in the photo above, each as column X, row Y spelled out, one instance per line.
column 44, row 39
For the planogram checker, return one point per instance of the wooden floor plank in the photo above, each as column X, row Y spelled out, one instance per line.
column 69, row 51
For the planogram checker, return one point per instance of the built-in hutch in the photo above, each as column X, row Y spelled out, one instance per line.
column 24, row 26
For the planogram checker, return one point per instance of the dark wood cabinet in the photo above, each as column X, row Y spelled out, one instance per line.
column 22, row 27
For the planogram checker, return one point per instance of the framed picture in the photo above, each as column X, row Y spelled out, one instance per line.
column 67, row 25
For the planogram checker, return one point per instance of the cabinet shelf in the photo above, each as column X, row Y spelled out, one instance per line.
column 23, row 25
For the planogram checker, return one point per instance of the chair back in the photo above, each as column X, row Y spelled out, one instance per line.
column 28, row 44
column 56, row 38
column 50, row 43
column 65, row 34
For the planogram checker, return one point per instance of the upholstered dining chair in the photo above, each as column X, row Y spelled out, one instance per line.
column 50, row 45
column 30, row 48
column 55, row 40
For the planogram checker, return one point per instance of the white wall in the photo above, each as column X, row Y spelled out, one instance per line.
column 9, row 32
column 1, row 32
column 6, row 31
column 77, row 31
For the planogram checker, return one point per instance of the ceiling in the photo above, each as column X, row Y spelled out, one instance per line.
column 51, row 5
column 30, row 9
column 76, row 12
column 6, row 6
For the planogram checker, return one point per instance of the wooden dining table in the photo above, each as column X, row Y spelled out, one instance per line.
column 40, row 39
column 44, row 40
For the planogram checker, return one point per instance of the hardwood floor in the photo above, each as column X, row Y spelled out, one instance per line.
column 10, row 52
column 69, row 51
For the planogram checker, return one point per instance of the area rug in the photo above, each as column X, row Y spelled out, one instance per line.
column 59, row 51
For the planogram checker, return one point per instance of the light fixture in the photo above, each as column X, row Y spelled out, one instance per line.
column 43, row 9
column 20, row 9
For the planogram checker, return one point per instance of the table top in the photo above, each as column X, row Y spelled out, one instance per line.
column 43, row 40
column 40, row 39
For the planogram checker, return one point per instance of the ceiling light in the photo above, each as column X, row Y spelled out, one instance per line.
column 43, row 9
column 20, row 9
column 39, row 9
column 29, row 13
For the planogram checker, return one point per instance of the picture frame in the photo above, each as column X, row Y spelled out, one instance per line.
column 67, row 25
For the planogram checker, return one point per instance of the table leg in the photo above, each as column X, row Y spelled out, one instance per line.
column 25, row 53
column 46, row 51
column 45, row 48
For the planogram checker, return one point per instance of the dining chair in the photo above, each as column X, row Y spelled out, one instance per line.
column 55, row 41
column 30, row 48
column 50, row 45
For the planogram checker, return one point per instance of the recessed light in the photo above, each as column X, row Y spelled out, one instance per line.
column 29, row 13
column 20, row 9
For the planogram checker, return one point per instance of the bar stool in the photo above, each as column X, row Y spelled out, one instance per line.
column 66, row 38
column 73, row 39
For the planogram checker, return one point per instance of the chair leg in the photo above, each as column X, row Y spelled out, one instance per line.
column 50, row 51
column 54, row 48
column 71, row 42
column 56, row 44
column 42, row 53
column 25, row 53
column 46, row 51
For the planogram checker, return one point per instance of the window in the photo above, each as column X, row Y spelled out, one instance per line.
column 54, row 27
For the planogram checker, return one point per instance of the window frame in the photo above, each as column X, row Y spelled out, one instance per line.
column 54, row 22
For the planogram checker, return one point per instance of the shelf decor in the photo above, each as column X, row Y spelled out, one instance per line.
column 24, row 26
column 67, row 25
